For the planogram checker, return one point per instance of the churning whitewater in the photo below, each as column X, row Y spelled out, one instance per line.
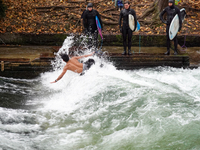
column 105, row 109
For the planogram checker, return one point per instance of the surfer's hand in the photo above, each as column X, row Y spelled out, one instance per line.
column 54, row 81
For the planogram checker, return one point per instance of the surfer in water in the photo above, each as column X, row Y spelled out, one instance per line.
column 90, row 26
column 74, row 65
column 171, row 11
column 125, row 29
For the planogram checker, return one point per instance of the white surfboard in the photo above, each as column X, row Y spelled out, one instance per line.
column 174, row 26
column 131, row 21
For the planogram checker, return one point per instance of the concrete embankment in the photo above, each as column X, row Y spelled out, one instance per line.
column 109, row 40
column 29, row 61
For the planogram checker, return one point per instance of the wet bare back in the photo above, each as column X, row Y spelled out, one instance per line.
column 74, row 65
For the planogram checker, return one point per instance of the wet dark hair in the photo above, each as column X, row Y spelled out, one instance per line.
column 127, row 2
column 65, row 57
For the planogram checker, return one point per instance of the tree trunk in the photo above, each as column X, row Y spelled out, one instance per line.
column 151, row 15
column 162, row 4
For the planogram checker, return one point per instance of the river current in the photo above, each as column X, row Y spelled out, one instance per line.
column 105, row 109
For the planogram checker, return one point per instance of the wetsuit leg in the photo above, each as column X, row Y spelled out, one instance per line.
column 124, row 34
column 129, row 40
column 90, row 37
column 168, row 41
column 93, row 38
column 89, row 40
column 175, row 45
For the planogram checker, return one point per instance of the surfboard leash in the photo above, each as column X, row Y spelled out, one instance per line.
column 139, row 43
column 184, row 47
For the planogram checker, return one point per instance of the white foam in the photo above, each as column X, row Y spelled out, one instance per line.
column 106, row 109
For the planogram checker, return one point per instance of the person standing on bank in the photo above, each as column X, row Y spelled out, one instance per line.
column 119, row 4
column 125, row 29
column 90, row 26
column 171, row 11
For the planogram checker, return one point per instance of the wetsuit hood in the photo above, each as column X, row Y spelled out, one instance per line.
column 171, row 1
column 89, row 5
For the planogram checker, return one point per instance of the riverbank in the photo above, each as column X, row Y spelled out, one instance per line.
column 31, row 61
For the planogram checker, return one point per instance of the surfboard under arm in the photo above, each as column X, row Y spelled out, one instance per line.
column 131, row 21
column 174, row 26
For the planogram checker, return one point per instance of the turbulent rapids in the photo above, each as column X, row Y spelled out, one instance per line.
column 106, row 109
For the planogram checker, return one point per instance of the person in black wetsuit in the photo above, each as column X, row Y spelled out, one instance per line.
column 125, row 29
column 90, row 24
column 171, row 11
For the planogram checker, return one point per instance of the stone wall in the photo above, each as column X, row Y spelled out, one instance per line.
column 109, row 40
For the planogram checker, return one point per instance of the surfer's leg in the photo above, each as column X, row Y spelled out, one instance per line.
column 88, row 64
column 130, row 34
column 168, row 41
column 124, row 34
column 175, row 45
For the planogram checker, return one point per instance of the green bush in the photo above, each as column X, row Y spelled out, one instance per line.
column 2, row 9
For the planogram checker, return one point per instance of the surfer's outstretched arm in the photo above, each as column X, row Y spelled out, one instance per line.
column 120, row 20
column 61, row 75
column 79, row 57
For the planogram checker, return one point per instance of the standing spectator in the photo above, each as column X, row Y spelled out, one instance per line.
column 90, row 26
column 171, row 11
column 125, row 29
column 119, row 4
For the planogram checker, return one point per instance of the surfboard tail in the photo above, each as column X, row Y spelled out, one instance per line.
column 138, row 27
column 100, row 33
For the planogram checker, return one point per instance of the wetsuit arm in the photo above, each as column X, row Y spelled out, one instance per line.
column 84, row 19
column 120, row 20
column 161, row 16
